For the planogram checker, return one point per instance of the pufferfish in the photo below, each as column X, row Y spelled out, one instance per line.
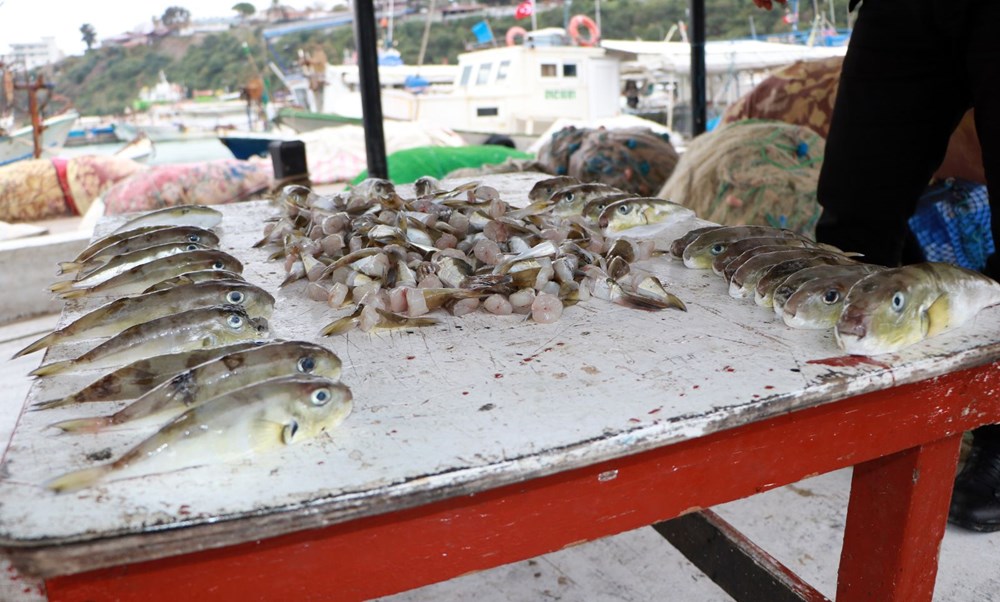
column 892, row 309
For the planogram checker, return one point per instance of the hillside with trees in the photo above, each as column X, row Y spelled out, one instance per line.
column 106, row 80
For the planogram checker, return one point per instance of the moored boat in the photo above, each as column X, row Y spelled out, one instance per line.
column 19, row 144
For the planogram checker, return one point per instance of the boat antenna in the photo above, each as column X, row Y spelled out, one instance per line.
column 427, row 33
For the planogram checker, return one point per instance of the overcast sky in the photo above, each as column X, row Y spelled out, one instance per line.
column 29, row 20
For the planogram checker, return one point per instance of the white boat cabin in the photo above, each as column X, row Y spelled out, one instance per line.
column 517, row 89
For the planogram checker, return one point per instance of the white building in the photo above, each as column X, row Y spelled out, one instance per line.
column 35, row 54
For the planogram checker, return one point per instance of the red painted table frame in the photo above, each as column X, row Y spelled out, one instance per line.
column 903, row 443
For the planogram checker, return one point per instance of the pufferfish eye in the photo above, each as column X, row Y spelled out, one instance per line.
column 320, row 397
column 831, row 296
column 235, row 297
column 898, row 301
column 624, row 209
column 194, row 238
column 191, row 247
column 234, row 320
column 306, row 365
column 218, row 265
column 717, row 248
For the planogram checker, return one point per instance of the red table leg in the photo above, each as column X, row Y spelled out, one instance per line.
column 895, row 522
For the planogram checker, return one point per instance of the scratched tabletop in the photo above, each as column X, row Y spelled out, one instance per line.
column 474, row 402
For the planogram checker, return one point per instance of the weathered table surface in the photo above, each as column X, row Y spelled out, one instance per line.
column 469, row 405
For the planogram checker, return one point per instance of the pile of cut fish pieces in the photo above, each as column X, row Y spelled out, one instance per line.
column 463, row 249
column 871, row 309
column 187, row 340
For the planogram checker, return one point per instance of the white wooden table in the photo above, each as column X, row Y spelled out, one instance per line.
column 485, row 439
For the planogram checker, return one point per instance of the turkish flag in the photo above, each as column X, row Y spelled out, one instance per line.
column 524, row 9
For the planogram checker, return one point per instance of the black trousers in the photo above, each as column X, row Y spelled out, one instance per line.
column 913, row 67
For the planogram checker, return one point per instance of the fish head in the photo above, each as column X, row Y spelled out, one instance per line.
column 884, row 312
column 568, row 201
column 593, row 209
column 256, row 301
column 700, row 254
column 203, row 237
column 784, row 291
column 318, row 404
column 213, row 260
column 815, row 305
column 238, row 325
column 622, row 215
column 543, row 189
column 316, row 360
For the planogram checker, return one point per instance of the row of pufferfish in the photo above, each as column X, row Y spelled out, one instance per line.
column 871, row 309
column 196, row 341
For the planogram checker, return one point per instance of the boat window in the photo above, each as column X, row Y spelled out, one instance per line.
column 484, row 73
column 487, row 112
column 549, row 70
column 466, row 73
column 569, row 70
column 502, row 70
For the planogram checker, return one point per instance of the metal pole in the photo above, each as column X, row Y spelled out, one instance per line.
column 37, row 127
column 365, row 37
column 427, row 33
column 36, row 120
column 699, row 104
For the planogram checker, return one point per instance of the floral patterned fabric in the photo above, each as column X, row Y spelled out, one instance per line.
column 90, row 176
column 210, row 183
column 30, row 190
column 803, row 94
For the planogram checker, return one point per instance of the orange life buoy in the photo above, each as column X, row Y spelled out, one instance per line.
column 512, row 34
column 574, row 30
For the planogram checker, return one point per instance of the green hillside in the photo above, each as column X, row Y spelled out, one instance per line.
column 107, row 80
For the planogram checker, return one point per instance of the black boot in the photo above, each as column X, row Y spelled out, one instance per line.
column 975, row 501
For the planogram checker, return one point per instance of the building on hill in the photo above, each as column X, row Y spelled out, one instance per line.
column 34, row 54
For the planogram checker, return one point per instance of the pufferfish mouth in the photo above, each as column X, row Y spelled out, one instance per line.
column 852, row 323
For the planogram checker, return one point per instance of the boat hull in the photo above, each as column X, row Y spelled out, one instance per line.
column 307, row 121
column 19, row 145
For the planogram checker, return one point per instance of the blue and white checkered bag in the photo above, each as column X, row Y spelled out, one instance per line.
column 952, row 223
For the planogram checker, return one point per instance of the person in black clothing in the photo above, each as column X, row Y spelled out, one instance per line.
column 631, row 93
column 912, row 70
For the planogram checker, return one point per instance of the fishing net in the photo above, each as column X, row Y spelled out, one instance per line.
column 752, row 172
column 634, row 159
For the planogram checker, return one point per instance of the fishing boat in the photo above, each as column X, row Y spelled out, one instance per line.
column 92, row 133
column 244, row 145
column 517, row 90
column 19, row 144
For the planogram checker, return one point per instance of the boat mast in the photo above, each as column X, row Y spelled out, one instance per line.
column 34, row 110
column 427, row 33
